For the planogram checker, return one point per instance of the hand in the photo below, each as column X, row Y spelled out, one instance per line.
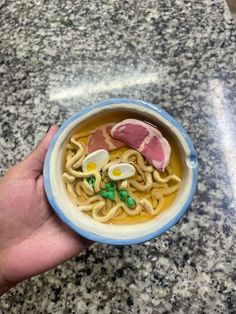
column 32, row 238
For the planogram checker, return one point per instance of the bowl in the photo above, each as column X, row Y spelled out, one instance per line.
column 122, row 234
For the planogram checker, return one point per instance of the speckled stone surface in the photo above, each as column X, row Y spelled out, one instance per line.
column 178, row 54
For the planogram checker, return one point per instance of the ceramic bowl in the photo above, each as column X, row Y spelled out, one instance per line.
column 126, row 233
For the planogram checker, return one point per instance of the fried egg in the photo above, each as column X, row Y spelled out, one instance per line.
column 121, row 171
column 95, row 160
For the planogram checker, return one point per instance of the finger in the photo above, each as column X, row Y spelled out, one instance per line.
column 32, row 166
column 34, row 163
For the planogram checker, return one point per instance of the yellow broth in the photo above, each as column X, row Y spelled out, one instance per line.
column 175, row 160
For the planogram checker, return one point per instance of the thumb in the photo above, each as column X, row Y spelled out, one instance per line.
column 32, row 166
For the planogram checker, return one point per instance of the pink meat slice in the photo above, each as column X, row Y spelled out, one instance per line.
column 101, row 139
column 146, row 139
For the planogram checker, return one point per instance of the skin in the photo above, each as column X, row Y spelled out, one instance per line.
column 32, row 238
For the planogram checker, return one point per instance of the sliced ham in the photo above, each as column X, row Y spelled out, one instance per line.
column 146, row 139
column 101, row 139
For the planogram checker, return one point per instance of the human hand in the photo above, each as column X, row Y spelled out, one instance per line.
column 32, row 238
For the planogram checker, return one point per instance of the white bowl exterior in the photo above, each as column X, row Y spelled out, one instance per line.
column 112, row 233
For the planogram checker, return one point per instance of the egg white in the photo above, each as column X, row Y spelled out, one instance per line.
column 95, row 160
column 121, row 171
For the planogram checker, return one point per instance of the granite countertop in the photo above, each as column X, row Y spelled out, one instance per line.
column 60, row 56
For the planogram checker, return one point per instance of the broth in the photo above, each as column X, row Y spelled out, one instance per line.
column 117, row 116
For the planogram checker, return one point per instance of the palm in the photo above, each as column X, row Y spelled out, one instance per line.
column 32, row 238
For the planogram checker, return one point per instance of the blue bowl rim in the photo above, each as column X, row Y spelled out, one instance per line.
column 94, row 236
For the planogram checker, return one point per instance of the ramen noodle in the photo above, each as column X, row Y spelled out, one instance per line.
column 140, row 193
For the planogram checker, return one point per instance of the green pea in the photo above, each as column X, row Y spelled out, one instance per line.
column 110, row 186
column 104, row 193
column 91, row 181
column 123, row 194
column 130, row 202
column 111, row 195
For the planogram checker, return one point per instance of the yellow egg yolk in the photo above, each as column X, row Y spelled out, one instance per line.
column 91, row 166
column 116, row 172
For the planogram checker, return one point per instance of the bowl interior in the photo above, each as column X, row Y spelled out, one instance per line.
column 122, row 233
